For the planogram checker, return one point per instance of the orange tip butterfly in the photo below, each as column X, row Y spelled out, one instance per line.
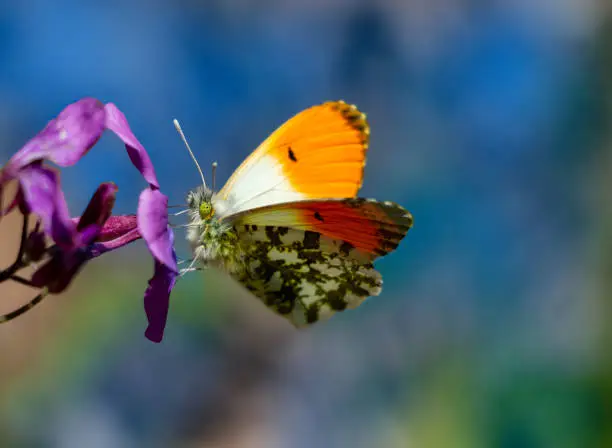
column 288, row 226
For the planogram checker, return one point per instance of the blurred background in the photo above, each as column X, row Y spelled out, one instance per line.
column 490, row 123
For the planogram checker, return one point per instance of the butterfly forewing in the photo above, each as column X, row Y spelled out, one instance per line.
column 373, row 228
column 319, row 153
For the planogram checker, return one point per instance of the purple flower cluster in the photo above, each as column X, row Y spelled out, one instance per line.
column 74, row 241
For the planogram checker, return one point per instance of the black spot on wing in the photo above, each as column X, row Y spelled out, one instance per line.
column 336, row 300
column 273, row 236
column 357, row 290
column 311, row 256
column 346, row 248
column 287, row 299
column 390, row 234
column 318, row 216
column 312, row 313
column 265, row 272
column 292, row 155
column 311, row 240
column 381, row 252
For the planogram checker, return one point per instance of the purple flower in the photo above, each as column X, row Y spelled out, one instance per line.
column 57, row 273
column 117, row 232
column 64, row 141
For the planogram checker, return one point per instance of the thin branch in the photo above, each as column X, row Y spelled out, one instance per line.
column 25, row 308
column 24, row 236
column 21, row 280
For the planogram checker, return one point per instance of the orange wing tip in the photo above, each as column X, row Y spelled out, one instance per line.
column 355, row 118
column 396, row 212
column 390, row 229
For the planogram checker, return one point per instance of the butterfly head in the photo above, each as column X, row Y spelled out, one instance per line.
column 206, row 210
column 199, row 201
column 211, row 238
column 201, row 212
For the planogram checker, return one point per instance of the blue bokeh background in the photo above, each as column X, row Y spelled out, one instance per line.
column 490, row 123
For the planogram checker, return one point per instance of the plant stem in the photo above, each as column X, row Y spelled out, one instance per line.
column 24, row 308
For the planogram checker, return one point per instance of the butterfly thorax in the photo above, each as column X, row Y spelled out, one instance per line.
column 212, row 240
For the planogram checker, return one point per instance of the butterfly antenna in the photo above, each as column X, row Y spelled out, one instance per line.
column 214, row 174
column 180, row 131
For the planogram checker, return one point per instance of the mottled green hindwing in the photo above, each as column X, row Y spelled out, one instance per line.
column 302, row 275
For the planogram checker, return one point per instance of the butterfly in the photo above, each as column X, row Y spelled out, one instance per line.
column 288, row 224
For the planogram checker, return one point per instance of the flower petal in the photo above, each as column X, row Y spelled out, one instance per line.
column 100, row 206
column 152, row 219
column 43, row 196
column 65, row 139
column 118, row 231
column 63, row 266
column 157, row 301
column 116, row 122
column 117, row 226
column 35, row 244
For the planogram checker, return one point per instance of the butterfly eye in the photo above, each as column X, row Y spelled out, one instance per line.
column 206, row 210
